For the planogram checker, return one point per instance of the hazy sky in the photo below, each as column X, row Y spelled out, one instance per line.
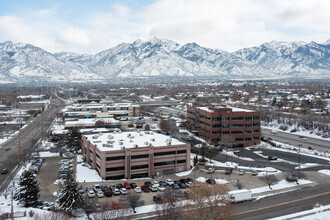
column 95, row 25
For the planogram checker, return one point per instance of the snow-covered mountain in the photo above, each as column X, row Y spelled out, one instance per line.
column 27, row 63
column 283, row 58
column 165, row 58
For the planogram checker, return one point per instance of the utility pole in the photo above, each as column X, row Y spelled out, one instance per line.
column 19, row 137
column 299, row 145
column 42, row 124
column 12, row 207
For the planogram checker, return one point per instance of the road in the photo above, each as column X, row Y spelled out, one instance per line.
column 293, row 139
column 29, row 136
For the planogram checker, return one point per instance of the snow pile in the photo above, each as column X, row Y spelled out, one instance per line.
column 327, row 172
column 307, row 165
column 80, row 158
column 185, row 173
column 48, row 154
column 280, row 185
column 85, row 174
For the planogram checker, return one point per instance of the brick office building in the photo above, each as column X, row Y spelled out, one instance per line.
column 126, row 155
column 221, row 123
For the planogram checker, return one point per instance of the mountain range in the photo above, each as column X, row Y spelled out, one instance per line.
column 165, row 58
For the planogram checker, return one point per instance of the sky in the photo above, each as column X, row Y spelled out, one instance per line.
column 90, row 27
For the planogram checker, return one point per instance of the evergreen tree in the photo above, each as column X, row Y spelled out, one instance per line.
column 74, row 140
column 70, row 198
column 28, row 191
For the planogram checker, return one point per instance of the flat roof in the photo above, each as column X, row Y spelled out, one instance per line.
column 118, row 140
column 234, row 109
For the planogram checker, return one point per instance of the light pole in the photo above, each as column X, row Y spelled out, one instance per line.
column 299, row 159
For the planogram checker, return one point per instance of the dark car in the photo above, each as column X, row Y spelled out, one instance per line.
column 175, row 186
column 148, row 183
column 182, row 180
column 272, row 158
column 145, row 188
column 119, row 186
column 176, row 182
column 163, row 183
column 210, row 181
column 189, row 180
column 157, row 199
column 183, row 186
column 4, row 171
column 133, row 185
column 81, row 190
column 228, row 171
column 104, row 187
column 107, row 192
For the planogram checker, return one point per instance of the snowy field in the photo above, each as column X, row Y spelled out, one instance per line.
column 283, row 184
column 327, row 172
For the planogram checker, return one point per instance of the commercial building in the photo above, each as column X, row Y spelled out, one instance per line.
column 98, row 110
column 128, row 155
column 234, row 126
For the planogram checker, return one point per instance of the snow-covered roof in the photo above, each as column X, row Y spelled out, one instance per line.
column 121, row 140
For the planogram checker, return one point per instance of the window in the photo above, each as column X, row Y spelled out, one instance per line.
column 255, row 138
column 182, row 151
column 118, row 177
column 239, row 139
column 237, row 118
column 220, row 118
column 255, row 117
column 114, row 169
column 181, row 161
column 225, row 126
column 139, row 167
column 139, row 175
column 216, row 132
column 115, row 158
column 140, row 156
column 164, row 153
column 248, row 131
column 249, row 118
column 164, row 163
column 98, row 166
column 248, row 125
column 216, row 139
column 98, row 156
column 237, row 125
column 225, row 132
column 256, row 131
column 237, row 132
column 248, row 139
column 255, row 124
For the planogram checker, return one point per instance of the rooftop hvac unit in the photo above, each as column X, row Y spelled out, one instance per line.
column 119, row 131
column 150, row 132
column 111, row 142
column 147, row 132
column 131, row 137
column 168, row 141
column 110, row 136
column 95, row 136
column 150, row 145
column 146, row 142
column 128, row 135
column 152, row 139
column 135, row 145
column 131, row 141
column 121, row 143
column 141, row 134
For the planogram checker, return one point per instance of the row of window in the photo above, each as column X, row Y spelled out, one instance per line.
column 147, row 155
column 235, row 125
column 247, row 131
column 168, row 163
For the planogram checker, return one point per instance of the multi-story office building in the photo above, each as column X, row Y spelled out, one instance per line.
column 120, row 155
column 236, row 126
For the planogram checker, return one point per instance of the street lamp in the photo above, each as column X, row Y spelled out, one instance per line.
column 299, row 159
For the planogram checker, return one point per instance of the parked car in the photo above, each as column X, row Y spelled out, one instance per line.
column 115, row 205
column 67, row 155
column 228, row 170
column 133, row 185
column 272, row 158
column 7, row 148
column 169, row 182
column 63, row 176
column 112, row 186
column 236, row 150
column 175, row 186
column 66, row 161
column 310, row 148
column 81, row 190
column 163, row 183
column 119, row 186
column 183, row 186
column 210, row 181
column 241, row 172
column 137, row 189
column 147, row 183
column 182, row 180
column 4, row 171
column 254, row 173
column 153, row 188
column 161, row 188
column 97, row 187
column 100, row 194
column 90, row 194
column 107, row 192
column 104, row 187
column 126, row 185
column 116, row 191
column 145, row 188
column 155, row 183
column 123, row 191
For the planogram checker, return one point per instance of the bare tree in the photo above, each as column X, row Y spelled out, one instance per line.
column 211, row 152
column 269, row 179
column 167, row 209
column 133, row 200
column 211, row 202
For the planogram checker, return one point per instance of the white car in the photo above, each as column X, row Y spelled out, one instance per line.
column 66, row 161
column 169, row 182
column 90, row 194
column 188, row 184
column 100, row 194
column 137, row 189
column 155, row 183
column 153, row 188
column 123, row 191
column 97, row 187
column 236, row 151
column 161, row 188
column 116, row 191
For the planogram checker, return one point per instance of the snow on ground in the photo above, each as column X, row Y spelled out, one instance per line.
column 280, row 185
column 80, row 158
column 293, row 149
column 48, row 154
column 46, row 145
column 327, row 172
column 2, row 140
column 302, row 133
column 307, row 165
column 217, row 181
column 317, row 213
column 85, row 174
column 232, row 154
column 185, row 173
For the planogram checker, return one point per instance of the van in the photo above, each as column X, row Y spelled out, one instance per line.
column 274, row 131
